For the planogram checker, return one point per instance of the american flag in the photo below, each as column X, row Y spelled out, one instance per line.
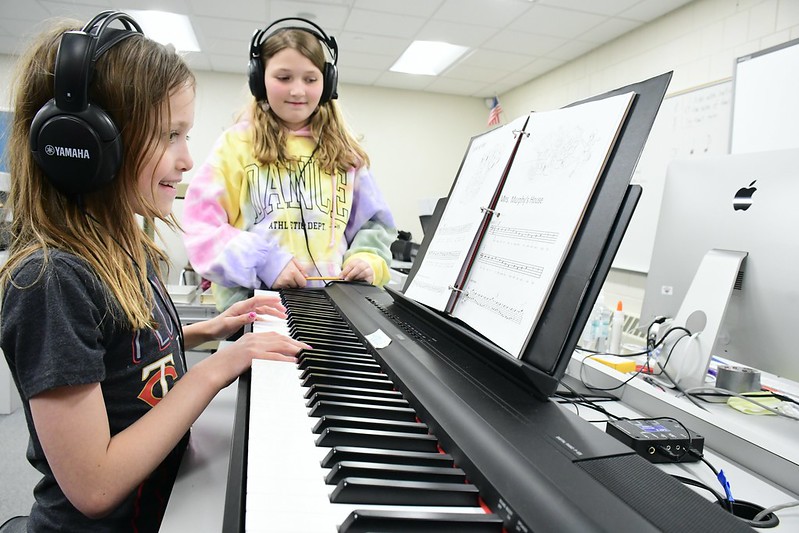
column 493, row 115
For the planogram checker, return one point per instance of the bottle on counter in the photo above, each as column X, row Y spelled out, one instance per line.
column 616, row 326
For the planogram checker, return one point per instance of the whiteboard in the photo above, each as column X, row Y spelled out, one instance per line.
column 765, row 110
column 689, row 124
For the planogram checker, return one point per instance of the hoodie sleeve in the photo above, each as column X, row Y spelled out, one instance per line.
column 218, row 248
column 371, row 228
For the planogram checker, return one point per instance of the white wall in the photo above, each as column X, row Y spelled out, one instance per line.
column 6, row 63
column 699, row 42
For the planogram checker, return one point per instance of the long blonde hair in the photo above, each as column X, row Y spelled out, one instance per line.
column 132, row 82
column 338, row 149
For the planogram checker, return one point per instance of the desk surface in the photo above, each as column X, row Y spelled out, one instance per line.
column 198, row 498
column 763, row 444
column 744, row 485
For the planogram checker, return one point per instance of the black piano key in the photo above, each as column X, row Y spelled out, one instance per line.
column 329, row 334
column 318, row 342
column 370, row 438
column 369, row 423
column 387, row 492
column 339, row 354
column 368, row 521
column 311, row 315
column 322, row 338
column 338, row 363
column 317, row 317
column 347, row 381
column 317, row 321
column 362, row 410
column 361, row 391
column 355, row 398
column 327, row 326
column 315, row 314
column 342, row 372
column 377, row 455
column 346, row 469
column 309, row 298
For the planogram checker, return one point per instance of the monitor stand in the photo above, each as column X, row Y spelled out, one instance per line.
column 702, row 313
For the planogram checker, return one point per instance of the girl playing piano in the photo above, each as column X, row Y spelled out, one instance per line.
column 89, row 332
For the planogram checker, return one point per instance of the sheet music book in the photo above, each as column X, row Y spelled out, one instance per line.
column 517, row 202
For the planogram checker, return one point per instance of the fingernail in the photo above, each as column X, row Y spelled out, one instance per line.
column 252, row 315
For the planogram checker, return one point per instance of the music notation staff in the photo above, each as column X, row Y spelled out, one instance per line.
column 544, row 237
column 515, row 267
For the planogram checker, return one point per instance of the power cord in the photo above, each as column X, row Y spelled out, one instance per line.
column 695, row 391
column 648, row 352
column 765, row 518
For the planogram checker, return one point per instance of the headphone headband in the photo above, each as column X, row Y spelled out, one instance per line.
column 329, row 41
column 255, row 69
column 83, row 48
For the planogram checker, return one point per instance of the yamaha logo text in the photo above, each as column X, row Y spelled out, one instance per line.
column 64, row 151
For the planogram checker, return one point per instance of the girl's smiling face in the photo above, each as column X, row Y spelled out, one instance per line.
column 293, row 87
column 159, row 178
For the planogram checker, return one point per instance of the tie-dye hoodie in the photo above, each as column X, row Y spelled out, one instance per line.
column 243, row 222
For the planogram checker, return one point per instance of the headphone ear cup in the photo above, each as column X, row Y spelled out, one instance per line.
column 255, row 77
column 330, row 79
column 78, row 152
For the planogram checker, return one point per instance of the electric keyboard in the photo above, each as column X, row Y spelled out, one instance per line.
column 426, row 433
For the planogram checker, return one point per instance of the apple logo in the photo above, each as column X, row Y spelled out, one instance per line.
column 743, row 198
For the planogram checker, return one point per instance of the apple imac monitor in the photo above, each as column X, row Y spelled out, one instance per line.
column 745, row 203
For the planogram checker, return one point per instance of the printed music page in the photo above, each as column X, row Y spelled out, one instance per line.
column 548, row 188
column 476, row 183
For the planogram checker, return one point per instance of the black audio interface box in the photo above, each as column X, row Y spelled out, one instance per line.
column 659, row 440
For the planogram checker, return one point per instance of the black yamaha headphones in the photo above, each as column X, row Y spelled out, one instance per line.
column 74, row 141
column 255, row 69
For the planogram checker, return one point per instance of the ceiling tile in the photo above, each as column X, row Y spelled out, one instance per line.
column 600, row 7
column 528, row 43
column 418, row 8
column 555, row 21
column 385, row 24
column 456, row 33
column 511, row 41
column 495, row 14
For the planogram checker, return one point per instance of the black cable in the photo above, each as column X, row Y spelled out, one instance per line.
column 584, row 401
column 673, row 346
column 300, row 177
column 597, row 352
column 719, row 476
column 170, row 308
column 695, row 483
column 601, row 389
column 680, row 389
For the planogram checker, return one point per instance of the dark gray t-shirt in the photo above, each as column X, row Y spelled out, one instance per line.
column 58, row 328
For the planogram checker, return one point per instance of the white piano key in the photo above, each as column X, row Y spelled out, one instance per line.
column 268, row 323
column 285, row 482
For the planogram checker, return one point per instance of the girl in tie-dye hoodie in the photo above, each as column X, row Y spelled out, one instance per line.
column 287, row 192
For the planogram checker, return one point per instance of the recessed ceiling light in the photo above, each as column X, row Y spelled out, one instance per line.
column 428, row 57
column 167, row 28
